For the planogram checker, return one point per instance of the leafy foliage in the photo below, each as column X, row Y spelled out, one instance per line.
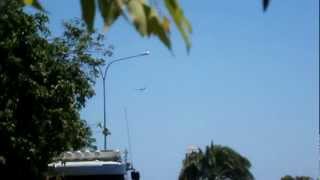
column 140, row 13
column 43, row 86
column 216, row 162
column 288, row 177
column 144, row 16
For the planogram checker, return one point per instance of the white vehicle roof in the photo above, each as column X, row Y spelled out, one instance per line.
column 96, row 167
column 79, row 163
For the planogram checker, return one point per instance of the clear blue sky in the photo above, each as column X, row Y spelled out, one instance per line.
column 251, row 82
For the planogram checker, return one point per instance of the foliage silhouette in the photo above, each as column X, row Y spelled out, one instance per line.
column 43, row 86
column 216, row 162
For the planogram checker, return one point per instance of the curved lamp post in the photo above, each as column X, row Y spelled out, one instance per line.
column 105, row 131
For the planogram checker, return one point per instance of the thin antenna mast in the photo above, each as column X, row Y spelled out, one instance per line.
column 128, row 135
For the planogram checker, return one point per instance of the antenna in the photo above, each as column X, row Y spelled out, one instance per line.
column 128, row 135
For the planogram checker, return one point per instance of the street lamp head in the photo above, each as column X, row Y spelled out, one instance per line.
column 145, row 53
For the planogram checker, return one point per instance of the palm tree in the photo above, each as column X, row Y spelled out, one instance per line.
column 215, row 163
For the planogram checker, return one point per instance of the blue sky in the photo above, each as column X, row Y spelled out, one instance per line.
column 251, row 82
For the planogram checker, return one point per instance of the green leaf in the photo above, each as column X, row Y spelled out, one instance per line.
column 28, row 2
column 180, row 20
column 37, row 5
column 110, row 10
column 88, row 12
column 137, row 12
column 166, row 24
column 33, row 3
column 156, row 27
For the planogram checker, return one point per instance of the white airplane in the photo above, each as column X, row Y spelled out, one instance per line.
column 141, row 89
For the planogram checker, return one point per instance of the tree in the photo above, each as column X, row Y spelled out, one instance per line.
column 144, row 16
column 43, row 86
column 288, row 177
column 217, row 163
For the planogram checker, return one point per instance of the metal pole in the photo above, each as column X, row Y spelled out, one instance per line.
column 104, row 113
column 104, row 75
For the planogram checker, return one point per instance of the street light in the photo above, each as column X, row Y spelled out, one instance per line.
column 105, row 131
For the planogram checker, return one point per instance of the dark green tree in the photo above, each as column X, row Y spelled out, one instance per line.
column 43, row 86
column 215, row 163
column 288, row 177
column 303, row 178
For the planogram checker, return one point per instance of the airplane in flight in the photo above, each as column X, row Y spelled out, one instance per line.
column 141, row 89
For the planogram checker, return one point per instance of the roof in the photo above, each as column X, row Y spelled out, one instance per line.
column 110, row 155
column 77, row 163
column 79, row 168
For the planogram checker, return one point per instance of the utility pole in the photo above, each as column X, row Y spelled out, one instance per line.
column 103, row 74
